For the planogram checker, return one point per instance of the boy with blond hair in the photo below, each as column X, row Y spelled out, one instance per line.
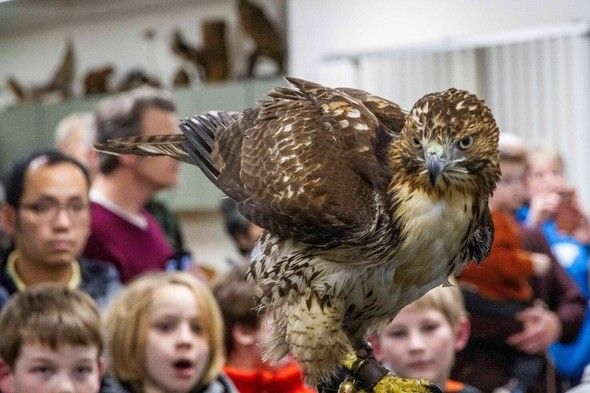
column 421, row 341
column 50, row 342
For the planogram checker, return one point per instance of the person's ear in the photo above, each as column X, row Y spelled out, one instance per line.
column 375, row 342
column 462, row 333
column 101, row 366
column 127, row 159
column 6, row 378
column 8, row 218
column 243, row 335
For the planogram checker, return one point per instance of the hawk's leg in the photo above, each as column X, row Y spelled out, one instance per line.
column 370, row 376
column 315, row 336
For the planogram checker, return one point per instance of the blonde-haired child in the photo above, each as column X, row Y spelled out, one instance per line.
column 50, row 341
column 421, row 341
column 164, row 333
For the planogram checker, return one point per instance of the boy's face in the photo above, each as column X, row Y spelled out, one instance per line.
column 68, row 369
column 510, row 191
column 421, row 344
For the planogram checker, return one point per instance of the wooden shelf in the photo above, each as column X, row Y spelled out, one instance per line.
column 32, row 127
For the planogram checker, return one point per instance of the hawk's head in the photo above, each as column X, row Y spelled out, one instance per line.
column 449, row 141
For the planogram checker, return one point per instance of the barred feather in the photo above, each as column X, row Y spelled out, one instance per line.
column 158, row 145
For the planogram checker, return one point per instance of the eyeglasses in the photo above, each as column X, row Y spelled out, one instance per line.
column 48, row 210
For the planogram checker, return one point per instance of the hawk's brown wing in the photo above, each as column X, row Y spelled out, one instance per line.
column 309, row 163
column 305, row 164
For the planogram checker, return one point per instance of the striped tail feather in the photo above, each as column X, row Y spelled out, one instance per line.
column 193, row 146
column 200, row 132
column 158, row 145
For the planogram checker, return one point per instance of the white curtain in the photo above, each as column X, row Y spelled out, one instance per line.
column 536, row 82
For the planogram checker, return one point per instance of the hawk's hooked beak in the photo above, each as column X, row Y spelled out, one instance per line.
column 434, row 161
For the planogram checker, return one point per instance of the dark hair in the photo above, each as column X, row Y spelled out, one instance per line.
column 237, row 302
column 235, row 223
column 120, row 116
column 15, row 178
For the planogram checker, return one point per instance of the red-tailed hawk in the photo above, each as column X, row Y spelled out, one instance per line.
column 366, row 206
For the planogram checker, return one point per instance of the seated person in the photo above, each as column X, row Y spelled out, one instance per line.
column 556, row 315
column 243, row 232
column 74, row 136
column 50, row 341
column 554, row 210
column 421, row 341
column 504, row 276
column 244, row 335
column 47, row 214
column 176, row 322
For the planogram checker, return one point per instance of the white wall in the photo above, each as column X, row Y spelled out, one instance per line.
column 32, row 57
column 320, row 28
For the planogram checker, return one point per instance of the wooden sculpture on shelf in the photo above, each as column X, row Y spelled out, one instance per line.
column 188, row 53
column 181, row 78
column 267, row 41
column 210, row 60
column 136, row 78
column 215, row 48
column 58, row 88
column 96, row 80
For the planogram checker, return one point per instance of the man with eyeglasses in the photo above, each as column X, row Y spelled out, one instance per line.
column 47, row 214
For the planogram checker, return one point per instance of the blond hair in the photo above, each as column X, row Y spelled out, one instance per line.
column 545, row 153
column 446, row 299
column 48, row 314
column 127, row 322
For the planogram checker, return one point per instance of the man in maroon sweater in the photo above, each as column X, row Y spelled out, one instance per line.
column 122, row 230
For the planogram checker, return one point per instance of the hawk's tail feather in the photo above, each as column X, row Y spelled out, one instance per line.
column 158, row 145
column 200, row 132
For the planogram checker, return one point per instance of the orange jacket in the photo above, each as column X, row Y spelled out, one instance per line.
column 505, row 274
column 287, row 379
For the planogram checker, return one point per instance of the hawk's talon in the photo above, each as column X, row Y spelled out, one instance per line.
column 348, row 386
column 373, row 377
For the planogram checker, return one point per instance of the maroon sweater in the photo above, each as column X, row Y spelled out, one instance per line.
column 132, row 249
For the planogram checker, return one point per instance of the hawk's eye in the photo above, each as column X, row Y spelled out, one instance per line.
column 416, row 142
column 466, row 142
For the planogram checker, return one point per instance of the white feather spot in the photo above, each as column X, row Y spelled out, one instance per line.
column 286, row 178
column 459, row 105
column 343, row 123
column 361, row 127
column 285, row 158
column 354, row 114
column 288, row 127
column 289, row 191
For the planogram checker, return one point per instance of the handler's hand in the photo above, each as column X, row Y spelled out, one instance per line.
column 541, row 328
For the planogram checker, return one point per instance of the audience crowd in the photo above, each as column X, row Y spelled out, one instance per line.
column 98, row 292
